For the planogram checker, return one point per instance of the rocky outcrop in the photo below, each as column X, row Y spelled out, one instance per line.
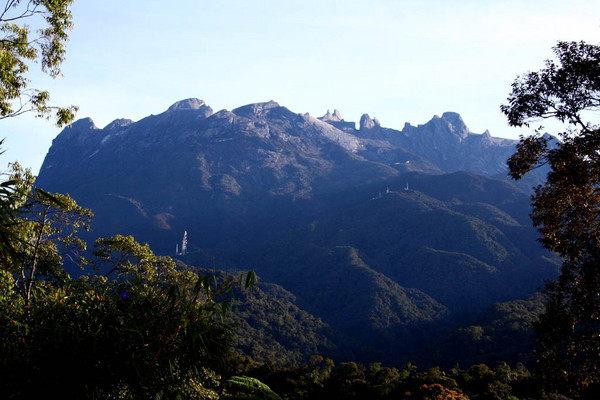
column 336, row 120
column 444, row 141
column 366, row 123
column 455, row 124
column 335, row 117
column 118, row 124
column 190, row 104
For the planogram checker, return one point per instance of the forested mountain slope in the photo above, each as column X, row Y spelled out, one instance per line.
column 379, row 234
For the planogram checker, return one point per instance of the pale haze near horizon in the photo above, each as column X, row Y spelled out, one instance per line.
column 398, row 61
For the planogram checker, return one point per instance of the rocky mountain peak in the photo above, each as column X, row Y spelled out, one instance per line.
column 455, row 123
column 367, row 122
column 77, row 133
column 188, row 104
column 82, row 124
column 336, row 120
column 335, row 117
column 118, row 123
column 255, row 109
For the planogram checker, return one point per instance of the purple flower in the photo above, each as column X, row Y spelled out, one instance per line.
column 124, row 294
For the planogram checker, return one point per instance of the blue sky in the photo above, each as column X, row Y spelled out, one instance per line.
column 399, row 61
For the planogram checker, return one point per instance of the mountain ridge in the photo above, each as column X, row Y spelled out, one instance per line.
column 387, row 236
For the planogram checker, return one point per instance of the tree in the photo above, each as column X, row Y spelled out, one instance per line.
column 19, row 47
column 152, row 330
column 144, row 327
column 246, row 388
column 8, row 200
column 44, row 232
column 566, row 208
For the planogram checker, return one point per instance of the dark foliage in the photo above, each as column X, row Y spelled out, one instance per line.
column 566, row 208
column 322, row 379
column 503, row 331
column 145, row 328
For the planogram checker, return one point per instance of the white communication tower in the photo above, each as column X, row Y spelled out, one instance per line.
column 184, row 244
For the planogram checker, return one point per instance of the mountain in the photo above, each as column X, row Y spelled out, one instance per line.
column 387, row 237
column 181, row 169
column 178, row 170
column 465, row 256
column 396, row 271
column 446, row 142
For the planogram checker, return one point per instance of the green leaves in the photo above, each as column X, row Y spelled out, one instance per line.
column 41, row 230
column 243, row 387
column 147, row 327
column 19, row 47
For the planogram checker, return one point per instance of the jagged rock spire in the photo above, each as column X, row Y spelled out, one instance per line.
column 335, row 117
column 367, row 122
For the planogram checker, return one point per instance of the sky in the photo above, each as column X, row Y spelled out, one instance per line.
column 398, row 61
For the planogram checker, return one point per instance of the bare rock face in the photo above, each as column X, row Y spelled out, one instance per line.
column 118, row 124
column 266, row 147
column 336, row 120
column 455, row 124
column 188, row 104
column 183, row 111
column 256, row 109
column 335, row 117
column 367, row 123
column 79, row 133
column 446, row 142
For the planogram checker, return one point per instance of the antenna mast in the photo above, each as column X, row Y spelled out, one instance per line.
column 184, row 244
